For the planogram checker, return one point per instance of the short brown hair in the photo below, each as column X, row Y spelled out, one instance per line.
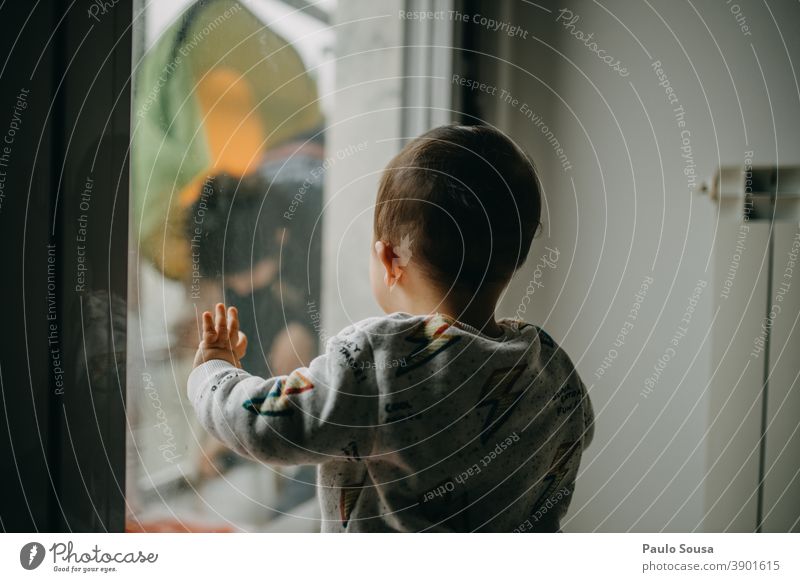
column 469, row 200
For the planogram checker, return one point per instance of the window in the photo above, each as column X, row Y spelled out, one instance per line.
column 248, row 119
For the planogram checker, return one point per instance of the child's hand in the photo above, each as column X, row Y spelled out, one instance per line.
column 222, row 340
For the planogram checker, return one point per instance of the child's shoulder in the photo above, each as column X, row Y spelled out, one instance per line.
column 382, row 324
column 550, row 350
column 532, row 330
column 398, row 321
column 386, row 328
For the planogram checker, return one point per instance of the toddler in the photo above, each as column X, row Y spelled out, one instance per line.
column 437, row 416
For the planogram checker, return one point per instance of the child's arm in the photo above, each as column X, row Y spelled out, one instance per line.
column 310, row 416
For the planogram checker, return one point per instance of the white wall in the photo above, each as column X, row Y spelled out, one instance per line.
column 631, row 215
column 368, row 95
column 622, row 211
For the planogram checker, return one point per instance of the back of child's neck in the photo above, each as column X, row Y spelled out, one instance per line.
column 477, row 311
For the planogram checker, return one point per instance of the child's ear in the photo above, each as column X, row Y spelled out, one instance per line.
column 390, row 263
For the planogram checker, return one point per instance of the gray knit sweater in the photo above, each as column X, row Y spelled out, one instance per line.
column 417, row 423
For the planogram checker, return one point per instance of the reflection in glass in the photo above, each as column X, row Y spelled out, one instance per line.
column 227, row 179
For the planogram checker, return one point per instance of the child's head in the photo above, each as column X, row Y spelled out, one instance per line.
column 456, row 212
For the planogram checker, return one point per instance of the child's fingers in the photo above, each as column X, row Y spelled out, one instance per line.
column 241, row 347
column 221, row 324
column 208, row 322
column 209, row 333
column 237, row 337
column 233, row 323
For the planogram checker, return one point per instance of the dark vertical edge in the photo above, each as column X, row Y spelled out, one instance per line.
column 466, row 64
column 29, row 485
column 55, row 230
column 119, row 254
column 406, row 85
column 92, row 215
column 762, row 442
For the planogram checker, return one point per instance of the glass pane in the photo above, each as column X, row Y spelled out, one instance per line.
column 229, row 109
